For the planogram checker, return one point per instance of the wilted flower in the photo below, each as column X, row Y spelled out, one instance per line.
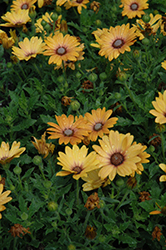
column 156, row 234
column 90, row 232
column 66, row 100
column 132, row 182
column 87, row 85
column 95, row 6
column 7, row 42
column 76, row 161
column 3, row 199
column 2, row 180
column 18, row 229
column 7, row 155
column 92, row 201
column 43, row 147
column 144, row 196
column 155, row 140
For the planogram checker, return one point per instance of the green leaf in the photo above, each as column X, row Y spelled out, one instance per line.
column 126, row 239
column 35, row 206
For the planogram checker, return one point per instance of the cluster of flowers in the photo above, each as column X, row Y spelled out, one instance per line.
column 65, row 50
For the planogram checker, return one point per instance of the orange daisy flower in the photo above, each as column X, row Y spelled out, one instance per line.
column 133, row 8
column 62, row 48
column 16, row 18
column 98, row 123
column 22, row 4
column 68, row 130
column 77, row 3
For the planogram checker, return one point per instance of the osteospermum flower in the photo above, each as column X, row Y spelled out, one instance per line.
column 22, row 4
column 47, row 17
column 61, row 2
column 43, row 147
column 133, row 8
column 62, row 48
column 163, row 64
column 7, row 155
column 77, row 3
column 163, row 167
column 68, row 130
column 99, row 122
column 3, row 199
column 76, row 161
column 16, row 18
column 7, row 42
column 93, row 181
column 147, row 29
column 116, row 41
column 160, row 108
column 29, row 48
column 117, row 155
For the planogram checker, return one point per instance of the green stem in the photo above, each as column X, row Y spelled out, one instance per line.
column 21, row 71
column 77, row 193
column 41, row 170
column 37, row 70
column 86, row 219
column 20, row 182
column 162, row 145
column 124, row 197
column 130, row 94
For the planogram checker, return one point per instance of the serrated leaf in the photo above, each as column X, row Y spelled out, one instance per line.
column 35, row 206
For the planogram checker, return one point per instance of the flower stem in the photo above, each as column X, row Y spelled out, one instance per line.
column 77, row 193
column 162, row 145
column 86, row 219
column 131, row 96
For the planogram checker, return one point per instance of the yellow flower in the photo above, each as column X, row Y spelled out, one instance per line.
column 116, row 41
column 16, row 18
column 68, row 130
column 22, row 4
column 77, row 3
column 61, row 2
column 43, row 147
column 93, row 181
column 76, row 161
column 143, row 156
column 7, row 42
column 29, row 48
column 160, row 108
column 146, row 29
column 71, row 64
column 163, row 167
column 47, row 17
column 3, row 199
column 7, row 155
column 117, row 155
column 133, row 8
column 163, row 64
column 98, row 123
column 62, row 48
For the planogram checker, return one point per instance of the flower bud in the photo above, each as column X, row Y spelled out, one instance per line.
column 52, row 206
column 75, row 105
column 69, row 211
column 58, row 9
column 24, row 216
column 146, row 18
column 92, row 77
column 54, row 16
column 119, row 182
column 103, row 76
column 145, row 41
column 117, row 95
column 78, row 74
column 43, row 23
column 98, row 22
column 136, row 53
column 37, row 160
column 61, row 79
column 54, row 224
column 11, row 187
column 47, row 184
column 122, row 76
column 151, row 148
column 17, row 170
column 160, row 128
column 71, row 247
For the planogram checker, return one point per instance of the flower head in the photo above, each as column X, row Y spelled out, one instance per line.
column 68, row 130
column 76, row 161
column 117, row 155
column 22, row 4
column 7, row 155
column 163, row 167
column 144, row 196
column 99, row 122
column 62, row 48
column 163, row 64
column 3, row 199
column 43, row 147
column 16, row 18
column 95, row 6
column 29, row 48
column 77, row 3
column 156, row 234
column 116, row 41
column 147, row 29
column 90, row 232
column 160, row 108
column 18, row 229
column 133, row 8
column 93, row 181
